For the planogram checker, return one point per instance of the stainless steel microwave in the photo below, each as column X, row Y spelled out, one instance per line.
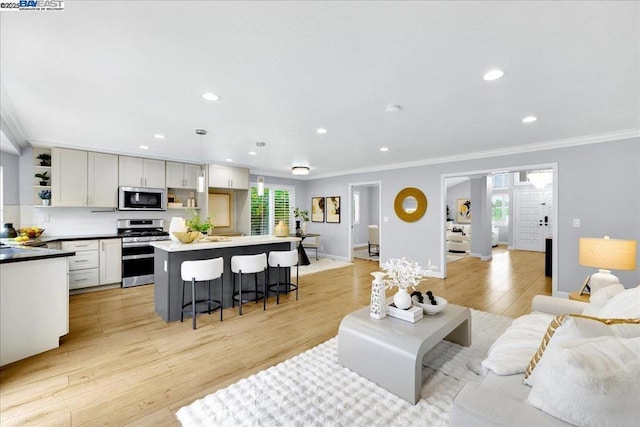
column 142, row 199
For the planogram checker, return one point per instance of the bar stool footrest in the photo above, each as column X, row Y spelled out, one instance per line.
column 246, row 296
column 212, row 305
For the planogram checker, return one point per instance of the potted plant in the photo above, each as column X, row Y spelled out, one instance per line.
column 45, row 195
column 197, row 223
column 44, row 177
column 45, row 159
column 303, row 216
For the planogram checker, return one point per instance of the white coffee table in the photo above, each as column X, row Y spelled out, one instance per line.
column 389, row 351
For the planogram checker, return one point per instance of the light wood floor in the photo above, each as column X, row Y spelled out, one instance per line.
column 122, row 365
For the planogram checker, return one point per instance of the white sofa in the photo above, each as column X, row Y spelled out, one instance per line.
column 459, row 237
column 504, row 400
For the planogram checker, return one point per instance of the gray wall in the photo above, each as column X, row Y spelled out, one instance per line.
column 595, row 183
column 11, row 166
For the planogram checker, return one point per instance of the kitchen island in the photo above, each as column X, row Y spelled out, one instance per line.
column 169, row 255
column 34, row 301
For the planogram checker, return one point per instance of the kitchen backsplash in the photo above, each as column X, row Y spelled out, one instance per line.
column 82, row 221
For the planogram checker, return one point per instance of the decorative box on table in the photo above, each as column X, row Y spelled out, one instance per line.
column 411, row 314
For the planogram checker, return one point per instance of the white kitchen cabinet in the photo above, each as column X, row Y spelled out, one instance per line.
column 110, row 261
column 139, row 172
column 83, row 178
column 84, row 265
column 68, row 177
column 102, row 180
column 34, row 307
column 96, row 262
column 182, row 175
column 221, row 176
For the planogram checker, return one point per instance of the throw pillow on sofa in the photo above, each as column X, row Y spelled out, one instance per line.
column 591, row 382
column 571, row 327
column 599, row 298
column 625, row 305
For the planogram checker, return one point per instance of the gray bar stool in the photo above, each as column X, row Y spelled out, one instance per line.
column 249, row 264
column 201, row 271
column 284, row 259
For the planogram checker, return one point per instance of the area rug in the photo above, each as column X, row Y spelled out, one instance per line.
column 364, row 254
column 321, row 264
column 312, row 389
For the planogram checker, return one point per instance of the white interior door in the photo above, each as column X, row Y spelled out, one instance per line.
column 532, row 218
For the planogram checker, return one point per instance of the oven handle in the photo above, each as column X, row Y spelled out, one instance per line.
column 135, row 244
column 130, row 257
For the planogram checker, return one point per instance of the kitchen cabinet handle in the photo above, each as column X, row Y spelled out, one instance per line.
column 81, row 260
column 102, row 246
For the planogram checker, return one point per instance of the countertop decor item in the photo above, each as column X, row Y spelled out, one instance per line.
column 197, row 223
column 404, row 273
column 177, row 224
column 186, row 236
column 281, row 230
column 31, row 232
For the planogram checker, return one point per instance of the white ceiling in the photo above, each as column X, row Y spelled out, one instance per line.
column 108, row 75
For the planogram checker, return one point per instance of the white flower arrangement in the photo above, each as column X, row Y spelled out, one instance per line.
column 404, row 273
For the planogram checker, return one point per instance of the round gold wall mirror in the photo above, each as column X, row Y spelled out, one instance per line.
column 410, row 204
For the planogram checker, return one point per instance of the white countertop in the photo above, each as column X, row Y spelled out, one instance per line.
column 171, row 246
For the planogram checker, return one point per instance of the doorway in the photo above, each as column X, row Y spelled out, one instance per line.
column 364, row 211
column 535, row 218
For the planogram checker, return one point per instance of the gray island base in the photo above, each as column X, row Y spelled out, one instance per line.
column 170, row 255
column 389, row 351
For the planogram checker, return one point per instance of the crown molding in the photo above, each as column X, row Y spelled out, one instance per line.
column 517, row 149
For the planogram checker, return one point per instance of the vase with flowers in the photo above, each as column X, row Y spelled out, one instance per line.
column 45, row 195
column 404, row 273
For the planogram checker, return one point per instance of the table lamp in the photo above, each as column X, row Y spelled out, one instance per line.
column 606, row 254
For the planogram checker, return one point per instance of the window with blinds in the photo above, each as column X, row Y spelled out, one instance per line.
column 274, row 206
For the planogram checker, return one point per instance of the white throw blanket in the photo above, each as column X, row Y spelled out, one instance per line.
column 312, row 389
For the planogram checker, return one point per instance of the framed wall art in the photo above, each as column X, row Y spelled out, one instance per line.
column 317, row 209
column 332, row 206
column 464, row 211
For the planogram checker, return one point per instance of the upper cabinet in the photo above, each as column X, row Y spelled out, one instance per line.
column 102, row 180
column 139, row 172
column 69, row 177
column 182, row 175
column 81, row 178
column 221, row 176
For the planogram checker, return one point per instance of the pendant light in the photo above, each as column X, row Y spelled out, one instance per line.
column 260, row 179
column 201, row 172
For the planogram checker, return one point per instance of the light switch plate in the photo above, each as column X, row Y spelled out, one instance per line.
column 576, row 222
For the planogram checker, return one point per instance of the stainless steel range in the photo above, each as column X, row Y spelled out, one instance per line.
column 137, row 252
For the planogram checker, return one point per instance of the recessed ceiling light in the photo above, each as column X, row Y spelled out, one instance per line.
column 392, row 108
column 210, row 96
column 143, row 147
column 529, row 119
column 321, row 131
column 384, row 148
column 300, row 170
column 252, row 153
column 228, row 160
column 493, row 75
column 158, row 136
